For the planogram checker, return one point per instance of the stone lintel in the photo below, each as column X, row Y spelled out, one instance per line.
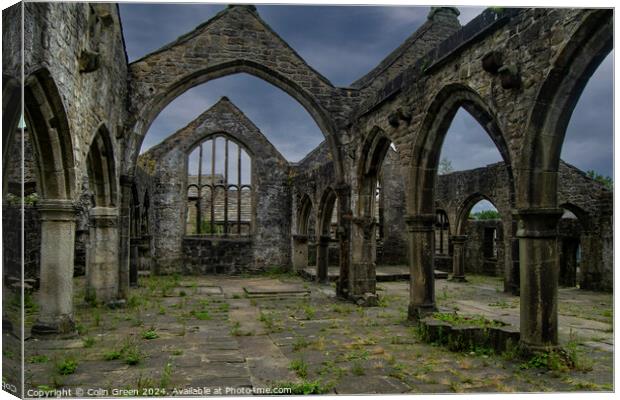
column 420, row 222
column 537, row 222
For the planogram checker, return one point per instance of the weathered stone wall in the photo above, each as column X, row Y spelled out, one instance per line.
column 476, row 261
column 202, row 255
column 166, row 165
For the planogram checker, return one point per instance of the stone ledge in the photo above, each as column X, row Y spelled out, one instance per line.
column 466, row 337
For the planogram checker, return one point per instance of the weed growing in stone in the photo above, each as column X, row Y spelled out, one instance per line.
column 66, row 366
column 300, row 367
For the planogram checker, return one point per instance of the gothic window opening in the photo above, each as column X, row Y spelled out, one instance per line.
column 219, row 189
column 442, row 233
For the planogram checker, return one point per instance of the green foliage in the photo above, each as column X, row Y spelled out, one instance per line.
column 88, row 341
column 202, row 315
column 469, row 320
column 166, row 374
column 304, row 387
column 214, row 229
column 38, row 359
column 112, row 355
column 604, row 180
column 300, row 343
column 66, row 366
column 300, row 367
column 485, row 215
column 150, row 334
column 358, row 368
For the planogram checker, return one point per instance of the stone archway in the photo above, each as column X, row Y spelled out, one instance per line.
column 103, row 276
column 326, row 209
column 421, row 183
column 300, row 240
column 208, row 53
column 45, row 116
column 537, row 172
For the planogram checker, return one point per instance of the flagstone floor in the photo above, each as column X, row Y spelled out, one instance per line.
column 198, row 335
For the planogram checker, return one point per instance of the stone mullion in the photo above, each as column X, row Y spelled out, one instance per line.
column 421, row 264
column 199, row 202
column 539, row 271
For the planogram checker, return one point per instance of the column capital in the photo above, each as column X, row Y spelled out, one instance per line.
column 420, row 222
column 537, row 222
column 57, row 210
column 104, row 217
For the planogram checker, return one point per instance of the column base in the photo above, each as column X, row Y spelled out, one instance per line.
column 63, row 328
column 417, row 312
column 457, row 279
column 366, row 300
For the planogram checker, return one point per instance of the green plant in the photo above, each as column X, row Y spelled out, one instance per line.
column 224, row 307
column 304, row 387
column 38, row 359
column 308, row 310
column 300, row 367
column 150, row 334
column 88, row 341
column 66, row 366
column 300, row 343
column 112, row 355
column 604, row 180
column 358, row 368
column 166, row 374
column 485, row 215
column 202, row 315
column 132, row 355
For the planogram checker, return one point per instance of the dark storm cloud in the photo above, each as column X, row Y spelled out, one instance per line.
column 343, row 43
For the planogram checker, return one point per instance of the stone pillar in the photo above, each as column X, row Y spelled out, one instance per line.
column 322, row 259
column 56, row 279
column 102, row 268
column 124, row 234
column 538, row 255
column 362, row 278
column 421, row 265
column 300, row 252
column 458, row 258
column 343, row 192
column 134, row 259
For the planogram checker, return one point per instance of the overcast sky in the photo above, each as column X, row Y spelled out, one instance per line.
column 343, row 43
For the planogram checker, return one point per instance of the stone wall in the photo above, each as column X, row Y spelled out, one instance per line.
column 478, row 259
column 164, row 169
column 203, row 255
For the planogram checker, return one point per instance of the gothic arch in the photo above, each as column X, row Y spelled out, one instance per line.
column 465, row 208
column 326, row 209
column 591, row 42
column 102, row 169
column 374, row 151
column 257, row 55
column 429, row 140
column 11, row 110
column 303, row 215
column 47, row 121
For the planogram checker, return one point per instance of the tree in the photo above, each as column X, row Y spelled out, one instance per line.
column 445, row 166
column 485, row 214
column 603, row 180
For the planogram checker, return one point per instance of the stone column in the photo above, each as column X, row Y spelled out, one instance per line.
column 362, row 278
column 458, row 258
column 343, row 192
column 56, row 279
column 133, row 262
column 539, row 259
column 300, row 252
column 124, row 234
column 322, row 259
column 102, row 268
column 421, row 265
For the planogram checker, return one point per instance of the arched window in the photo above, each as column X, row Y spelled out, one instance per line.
column 219, row 189
column 442, row 233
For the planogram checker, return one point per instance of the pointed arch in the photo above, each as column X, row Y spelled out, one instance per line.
column 52, row 141
column 429, row 140
column 11, row 112
column 303, row 215
column 373, row 154
column 326, row 210
column 101, row 169
column 591, row 42
column 465, row 209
